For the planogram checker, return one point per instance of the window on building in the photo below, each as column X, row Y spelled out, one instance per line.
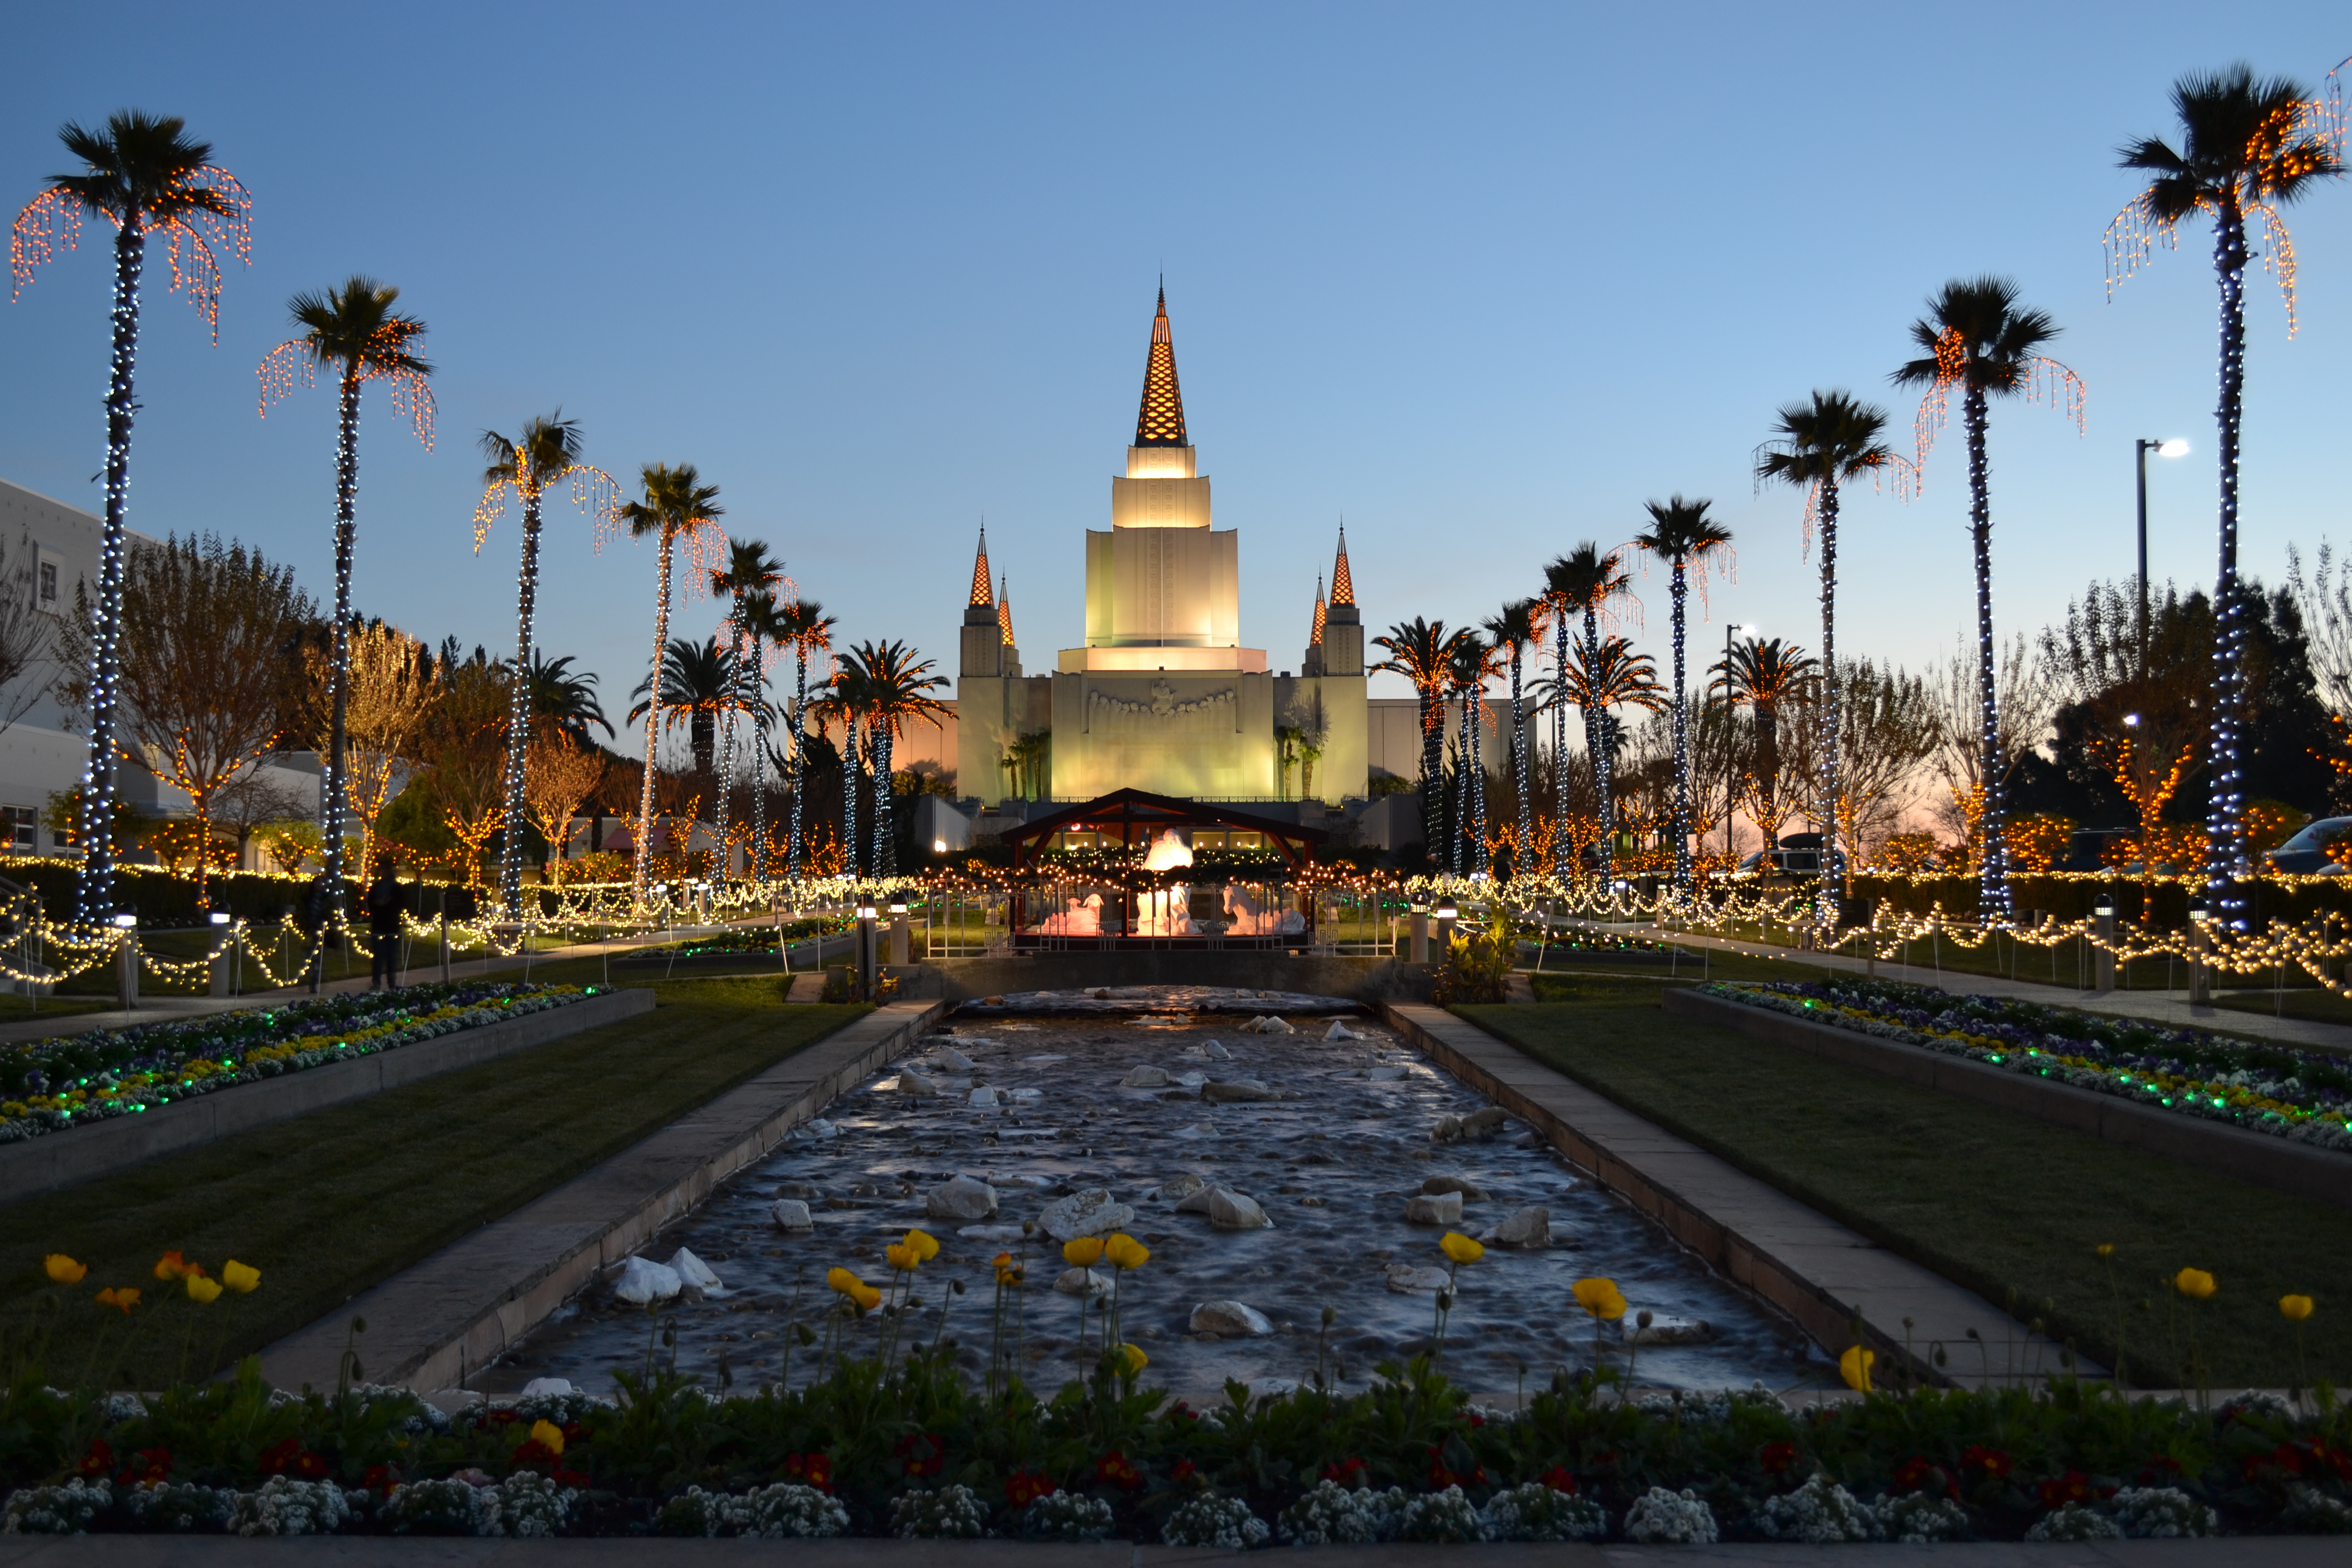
column 49, row 585
column 22, row 827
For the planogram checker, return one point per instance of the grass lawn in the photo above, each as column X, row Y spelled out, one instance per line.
column 330, row 1203
column 1993, row 1200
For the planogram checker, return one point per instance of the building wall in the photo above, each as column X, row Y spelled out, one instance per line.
column 1393, row 725
column 1207, row 735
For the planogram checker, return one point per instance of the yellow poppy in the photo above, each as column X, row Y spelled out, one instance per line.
column 241, row 1278
column 126, row 1298
column 867, row 1296
column 1460, row 1247
column 548, row 1436
column 63, row 1270
column 1135, row 1360
column 172, row 1266
column 844, row 1281
column 1854, row 1367
column 924, row 1245
column 2294, row 1309
column 902, row 1256
column 1083, row 1252
column 202, row 1290
column 2106, row 1249
column 1126, row 1251
column 2195, row 1284
column 1007, row 1271
column 1600, row 1298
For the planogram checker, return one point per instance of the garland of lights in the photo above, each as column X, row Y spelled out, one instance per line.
column 730, row 688
column 2226, row 858
column 642, row 857
column 800, row 755
column 1833, row 858
column 851, row 773
column 885, row 838
column 1679, row 594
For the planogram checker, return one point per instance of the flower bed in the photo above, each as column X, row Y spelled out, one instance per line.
column 923, row 1454
column 51, row 1086
column 2302, row 1095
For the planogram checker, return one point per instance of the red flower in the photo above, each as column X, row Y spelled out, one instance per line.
column 501, row 1418
column 1994, row 1462
column 563, row 1477
column 1559, row 1480
column 1442, row 1476
column 1917, row 1474
column 808, row 1470
column 573, row 1433
column 2336, row 1459
column 99, row 1460
column 2072, row 1487
column 922, row 1455
column 1344, row 1472
column 277, row 1457
column 1777, row 1456
column 1182, row 1412
column 1113, row 1471
column 2287, row 1458
column 1027, row 1486
column 1475, row 1419
column 2160, row 1470
column 382, row 1478
column 309, row 1465
column 533, row 1455
column 1183, row 1470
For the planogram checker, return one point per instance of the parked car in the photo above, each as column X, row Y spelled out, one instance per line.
column 2306, row 852
column 1793, row 854
column 2087, row 850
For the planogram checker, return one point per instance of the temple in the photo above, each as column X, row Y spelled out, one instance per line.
column 1162, row 697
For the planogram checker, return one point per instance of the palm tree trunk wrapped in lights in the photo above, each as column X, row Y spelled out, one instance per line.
column 2249, row 148
column 140, row 173
column 1588, row 583
column 353, row 328
column 810, row 630
column 1683, row 535
column 765, row 625
column 678, row 507
column 1980, row 341
column 1516, row 629
column 749, row 571
column 1422, row 652
column 888, row 685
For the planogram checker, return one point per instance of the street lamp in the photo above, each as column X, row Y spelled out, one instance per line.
column 2175, row 447
column 1730, row 752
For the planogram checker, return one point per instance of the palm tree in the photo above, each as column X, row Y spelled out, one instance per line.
column 354, row 329
column 1587, row 584
column 142, row 173
column 1818, row 447
column 763, row 622
column 2247, row 147
column 803, row 624
column 1683, row 535
column 1979, row 340
column 1475, row 662
column 697, row 690
column 1766, row 674
column 1422, row 652
column 891, row 683
column 845, row 699
column 676, row 505
column 566, row 701
column 750, row 569
column 1519, row 627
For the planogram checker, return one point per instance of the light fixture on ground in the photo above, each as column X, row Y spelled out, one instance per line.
column 2140, row 450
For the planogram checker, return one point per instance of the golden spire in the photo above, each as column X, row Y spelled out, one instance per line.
column 980, row 572
column 1161, row 421
column 1004, row 611
column 1314, row 639
column 1343, row 586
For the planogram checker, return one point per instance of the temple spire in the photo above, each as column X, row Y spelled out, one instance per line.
column 1314, row 639
column 1161, row 421
column 1343, row 586
column 1004, row 610
column 980, row 572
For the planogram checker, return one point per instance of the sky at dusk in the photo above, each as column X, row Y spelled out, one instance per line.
column 1481, row 280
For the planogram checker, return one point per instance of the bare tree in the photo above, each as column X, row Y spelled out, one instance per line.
column 2326, row 600
column 27, row 641
column 560, row 776
column 2027, row 699
column 1888, row 726
column 251, row 798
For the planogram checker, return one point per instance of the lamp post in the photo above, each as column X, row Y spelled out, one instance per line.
column 2140, row 450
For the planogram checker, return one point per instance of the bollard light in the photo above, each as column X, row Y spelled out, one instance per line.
column 866, row 911
column 124, row 920
column 1446, row 909
column 939, row 846
column 898, row 906
column 2104, row 912
column 219, row 919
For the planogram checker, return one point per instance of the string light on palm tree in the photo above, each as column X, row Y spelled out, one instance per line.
column 1519, row 627
column 2249, row 148
column 748, row 570
column 1683, row 535
column 1422, row 651
column 142, row 173
column 1591, row 584
column 356, row 329
column 803, row 624
column 765, row 626
column 1475, row 662
column 546, row 453
column 1979, row 340
column 1818, row 447
column 677, row 509
column 891, row 685
column 844, row 700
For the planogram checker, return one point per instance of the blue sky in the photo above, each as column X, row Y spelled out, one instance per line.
column 1482, row 280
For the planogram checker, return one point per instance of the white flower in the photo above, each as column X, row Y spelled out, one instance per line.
column 1215, row 1522
column 1441, row 1515
column 1915, row 1517
column 2074, row 1523
column 1066, row 1516
column 1536, row 1512
column 285, row 1506
column 1334, row 1515
column 949, row 1513
column 2161, row 1513
column 1817, row 1512
column 1661, row 1518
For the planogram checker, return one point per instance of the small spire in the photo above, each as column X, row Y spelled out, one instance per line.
column 1314, row 639
column 1004, row 610
column 1343, row 586
column 1161, row 420
column 979, row 571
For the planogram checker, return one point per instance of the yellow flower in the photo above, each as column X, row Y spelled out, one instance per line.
column 1600, row 1298
column 1083, row 1252
column 1135, row 1360
column 172, row 1266
column 241, row 1278
column 1007, row 1271
column 2195, row 1284
column 1460, row 1247
column 902, row 1256
column 548, row 1436
column 2294, row 1309
column 926, row 1245
column 844, row 1281
column 2106, row 1249
column 1127, row 1252
column 867, row 1296
column 202, row 1290
column 63, row 1270
column 126, row 1298
column 1854, row 1367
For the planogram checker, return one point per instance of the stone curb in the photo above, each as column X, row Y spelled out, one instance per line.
column 1790, row 1256
column 62, row 1159
column 2258, row 1158
column 433, row 1324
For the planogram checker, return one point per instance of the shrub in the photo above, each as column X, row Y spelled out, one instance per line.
column 1212, row 1521
column 1334, row 1515
column 2161, row 1513
column 285, row 1506
column 1916, row 1517
column 1661, row 1518
column 2073, row 1522
column 1818, row 1511
column 951, row 1513
column 1537, row 1513
column 1066, row 1516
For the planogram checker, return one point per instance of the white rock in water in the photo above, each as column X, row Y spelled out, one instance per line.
column 1339, row 1031
column 1240, row 1091
column 697, row 1273
column 1216, row 1051
column 983, row 1096
column 1197, row 1200
column 1232, row 1211
column 1529, row 1227
column 1387, row 1074
column 955, row 1060
column 821, row 1128
column 1083, row 1282
column 1194, row 1079
column 1404, row 1279
column 1468, row 1189
column 1483, row 1123
column 1272, row 1025
column 1232, row 1320
column 547, row 1387
column 1022, row 1095
column 989, row 1233
column 1145, row 1078
column 1090, row 1213
column 791, row 1214
column 960, row 1198
column 642, row 1282
column 1198, row 1130
column 1180, row 1188
column 1664, row 1330
column 1433, row 1208
column 1000, row 1179
column 912, row 1082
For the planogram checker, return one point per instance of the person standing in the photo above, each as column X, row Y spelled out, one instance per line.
column 386, row 904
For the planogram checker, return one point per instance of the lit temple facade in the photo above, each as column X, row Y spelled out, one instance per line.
column 1162, row 697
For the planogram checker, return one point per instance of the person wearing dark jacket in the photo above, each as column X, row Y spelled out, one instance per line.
column 385, row 903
